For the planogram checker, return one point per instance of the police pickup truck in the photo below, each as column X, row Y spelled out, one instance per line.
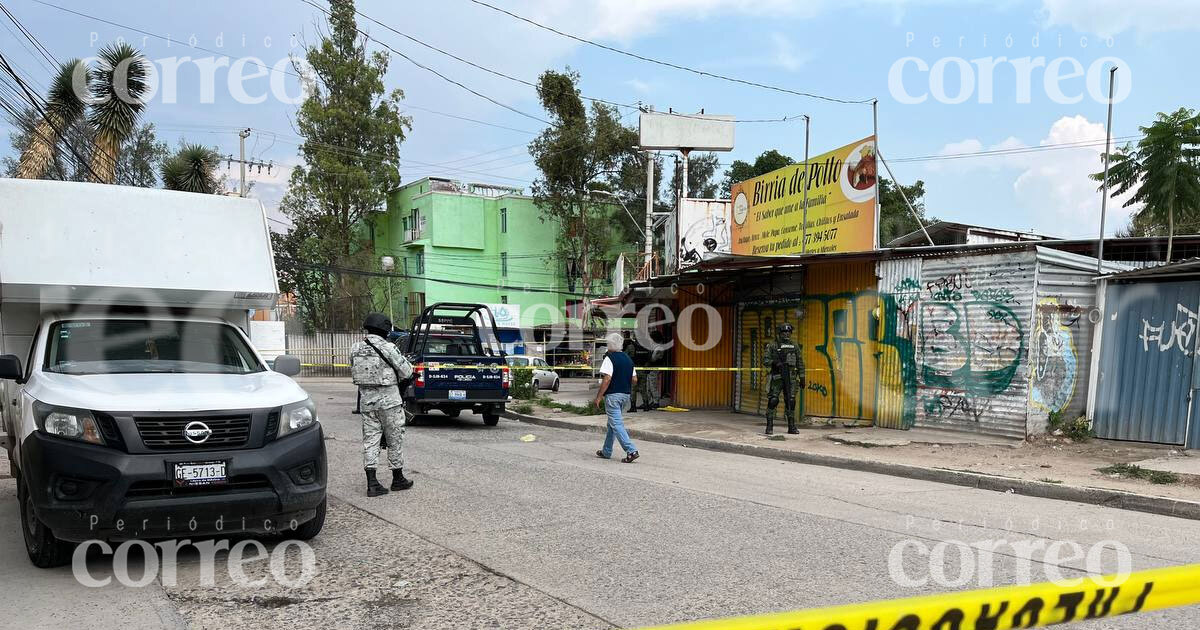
column 458, row 362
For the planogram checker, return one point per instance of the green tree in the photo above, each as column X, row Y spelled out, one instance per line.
column 1163, row 172
column 140, row 159
column 702, row 168
column 578, row 152
column 64, row 108
column 119, row 86
column 895, row 217
column 193, row 168
column 352, row 129
column 766, row 162
column 629, row 184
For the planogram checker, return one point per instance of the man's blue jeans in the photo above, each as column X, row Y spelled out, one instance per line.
column 614, row 404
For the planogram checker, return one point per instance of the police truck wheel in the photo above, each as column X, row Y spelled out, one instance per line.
column 491, row 419
column 452, row 413
column 310, row 529
column 45, row 551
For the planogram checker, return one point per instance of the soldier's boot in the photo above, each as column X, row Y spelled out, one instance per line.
column 791, row 418
column 374, row 488
column 770, row 421
column 398, row 480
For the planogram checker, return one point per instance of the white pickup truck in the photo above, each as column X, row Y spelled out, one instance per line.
column 132, row 403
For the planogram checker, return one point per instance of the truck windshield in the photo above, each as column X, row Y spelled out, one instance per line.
column 139, row 346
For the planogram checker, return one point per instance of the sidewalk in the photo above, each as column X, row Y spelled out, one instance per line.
column 1051, row 467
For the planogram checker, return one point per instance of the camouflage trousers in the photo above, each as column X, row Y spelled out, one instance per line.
column 785, row 389
column 375, row 425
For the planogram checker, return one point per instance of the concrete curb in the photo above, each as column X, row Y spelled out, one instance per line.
column 1081, row 494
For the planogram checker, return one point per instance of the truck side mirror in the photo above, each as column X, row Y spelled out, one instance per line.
column 287, row 364
column 10, row 368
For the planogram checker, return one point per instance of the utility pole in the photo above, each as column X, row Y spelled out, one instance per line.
column 875, row 132
column 242, row 162
column 804, row 231
column 649, row 213
column 1112, row 77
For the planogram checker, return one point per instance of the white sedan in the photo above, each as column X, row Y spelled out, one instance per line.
column 543, row 376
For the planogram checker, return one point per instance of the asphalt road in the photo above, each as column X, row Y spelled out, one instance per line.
column 501, row 532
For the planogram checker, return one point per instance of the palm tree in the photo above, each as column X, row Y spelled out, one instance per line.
column 64, row 107
column 1163, row 170
column 119, row 86
column 192, row 169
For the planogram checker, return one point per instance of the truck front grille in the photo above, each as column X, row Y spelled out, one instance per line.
column 164, row 434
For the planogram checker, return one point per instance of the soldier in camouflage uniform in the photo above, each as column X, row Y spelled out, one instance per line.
column 787, row 377
column 379, row 369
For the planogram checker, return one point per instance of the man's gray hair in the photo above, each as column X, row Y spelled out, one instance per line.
column 615, row 342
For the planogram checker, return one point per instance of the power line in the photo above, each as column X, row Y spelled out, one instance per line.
column 34, row 100
column 670, row 64
column 263, row 66
column 45, row 52
column 435, row 72
column 1078, row 144
column 510, row 77
column 387, row 274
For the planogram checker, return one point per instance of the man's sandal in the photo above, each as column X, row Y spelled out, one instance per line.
column 601, row 455
column 630, row 457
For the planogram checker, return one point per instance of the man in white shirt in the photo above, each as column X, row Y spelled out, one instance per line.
column 618, row 382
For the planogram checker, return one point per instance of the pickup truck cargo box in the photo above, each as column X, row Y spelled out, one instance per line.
column 77, row 243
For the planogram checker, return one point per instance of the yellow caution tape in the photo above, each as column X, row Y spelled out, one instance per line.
column 448, row 366
column 995, row 609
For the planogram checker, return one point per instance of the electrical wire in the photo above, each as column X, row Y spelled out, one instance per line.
column 525, row 81
column 669, row 64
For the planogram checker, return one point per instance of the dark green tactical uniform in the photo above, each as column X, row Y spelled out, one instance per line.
column 648, row 389
column 787, row 377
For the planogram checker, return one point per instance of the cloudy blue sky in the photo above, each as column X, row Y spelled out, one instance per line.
column 860, row 50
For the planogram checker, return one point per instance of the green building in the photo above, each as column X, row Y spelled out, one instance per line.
column 464, row 242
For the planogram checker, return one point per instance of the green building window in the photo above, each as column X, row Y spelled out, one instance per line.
column 420, row 263
column 504, row 264
column 504, row 220
column 504, row 299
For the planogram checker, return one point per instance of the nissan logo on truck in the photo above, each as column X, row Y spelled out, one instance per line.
column 197, row 432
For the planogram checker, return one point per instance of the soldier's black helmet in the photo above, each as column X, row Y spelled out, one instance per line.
column 378, row 323
column 785, row 329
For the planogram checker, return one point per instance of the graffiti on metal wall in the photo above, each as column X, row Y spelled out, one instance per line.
column 1054, row 362
column 971, row 345
column 865, row 364
column 1183, row 329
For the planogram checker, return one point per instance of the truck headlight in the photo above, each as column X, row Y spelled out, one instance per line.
column 73, row 424
column 297, row 416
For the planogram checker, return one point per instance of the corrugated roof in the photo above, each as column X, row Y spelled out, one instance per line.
column 1189, row 267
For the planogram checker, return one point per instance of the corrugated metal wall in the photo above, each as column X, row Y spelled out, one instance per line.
column 973, row 324
column 900, row 288
column 1060, row 340
column 705, row 389
column 756, row 328
column 838, row 333
column 1148, row 346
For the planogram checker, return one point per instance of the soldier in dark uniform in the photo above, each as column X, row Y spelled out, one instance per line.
column 787, row 377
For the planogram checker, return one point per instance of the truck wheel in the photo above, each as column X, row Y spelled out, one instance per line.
column 491, row 419
column 452, row 413
column 310, row 529
column 45, row 551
